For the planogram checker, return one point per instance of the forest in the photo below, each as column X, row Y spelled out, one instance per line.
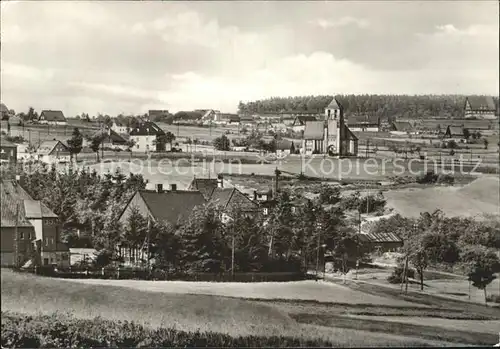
column 388, row 107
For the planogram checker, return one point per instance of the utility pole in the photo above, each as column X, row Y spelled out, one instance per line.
column 16, row 238
column 149, row 242
column 232, row 257
column 357, row 245
column 406, row 274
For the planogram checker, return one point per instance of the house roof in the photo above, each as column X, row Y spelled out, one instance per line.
column 301, row 119
column 381, row 237
column 52, row 115
column 232, row 198
column 350, row 133
column 334, row 104
column 157, row 112
column 314, row 130
column 147, row 128
column 481, row 103
column 402, row 126
column 110, row 136
column 368, row 119
column 13, row 196
column 205, row 185
column 48, row 147
column 170, row 206
column 246, row 118
column 455, row 130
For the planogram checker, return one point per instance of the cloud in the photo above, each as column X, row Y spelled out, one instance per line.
column 342, row 22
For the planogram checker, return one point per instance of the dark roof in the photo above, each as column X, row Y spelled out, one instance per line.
column 52, row 115
column 246, row 118
column 363, row 120
column 403, row 126
column 205, row 185
column 170, row 206
column 232, row 197
column 48, row 147
column 147, row 128
column 481, row 103
column 349, row 132
column 314, row 130
column 455, row 130
column 110, row 136
column 301, row 119
column 381, row 237
column 334, row 104
column 157, row 112
column 12, row 195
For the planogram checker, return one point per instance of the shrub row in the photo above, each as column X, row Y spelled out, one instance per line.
column 57, row 331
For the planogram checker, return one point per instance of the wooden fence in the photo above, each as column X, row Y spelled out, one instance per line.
column 160, row 275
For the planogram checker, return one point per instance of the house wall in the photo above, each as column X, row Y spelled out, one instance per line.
column 364, row 129
column 143, row 143
column 25, row 238
column 137, row 202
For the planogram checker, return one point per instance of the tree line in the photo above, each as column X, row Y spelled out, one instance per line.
column 457, row 244
column 388, row 107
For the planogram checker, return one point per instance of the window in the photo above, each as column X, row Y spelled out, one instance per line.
column 46, row 241
column 266, row 211
column 51, row 241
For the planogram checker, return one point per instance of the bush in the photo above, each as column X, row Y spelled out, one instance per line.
column 445, row 179
column 397, row 275
column 58, row 331
column 429, row 178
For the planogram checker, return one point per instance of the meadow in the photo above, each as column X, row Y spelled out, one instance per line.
column 294, row 321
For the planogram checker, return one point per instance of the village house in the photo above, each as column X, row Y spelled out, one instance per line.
column 247, row 120
column 299, row 123
column 331, row 135
column 8, row 152
column 157, row 113
column 110, row 140
column 36, row 226
column 454, row 132
column 53, row 151
column 480, row 107
column 119, row 127
column 363, row 123
column 145, row 137
column 52, row 117
column 402, row 128
column 206, row 186
column 284, row 147
column 382, row 242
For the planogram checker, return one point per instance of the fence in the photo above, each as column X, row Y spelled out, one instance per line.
column 160, row 275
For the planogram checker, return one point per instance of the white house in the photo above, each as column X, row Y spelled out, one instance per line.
column 299, row 123
column 119, row 127
column 53, row 152
column 52, row 117
column 145, row 137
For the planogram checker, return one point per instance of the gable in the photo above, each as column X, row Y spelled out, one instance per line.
column 241, row 201
column 135, row 202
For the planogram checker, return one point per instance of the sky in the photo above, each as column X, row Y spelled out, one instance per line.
column 114, row 57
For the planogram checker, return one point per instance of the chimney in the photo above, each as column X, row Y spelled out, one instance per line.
column 159, row 188
column 220, row 181
column 173, row 187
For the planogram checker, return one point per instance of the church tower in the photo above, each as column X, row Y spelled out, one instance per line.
column 334, row 127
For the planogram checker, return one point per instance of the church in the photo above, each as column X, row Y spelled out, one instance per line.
column 330, row 135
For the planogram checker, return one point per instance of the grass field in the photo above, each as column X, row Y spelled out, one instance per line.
column 475, row 199
column 27, row 294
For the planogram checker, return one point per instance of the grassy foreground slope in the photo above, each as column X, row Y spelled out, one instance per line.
column 31, row 295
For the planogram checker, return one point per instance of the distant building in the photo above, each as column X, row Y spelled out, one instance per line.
column 145, row 137
column 157, row 113
column 111, row 139
column 384, row 242
column 330, row 135
column 119, row 127
column 299, row 123
column 284, row 147
column 454, row 132
column 8, row 152
column 206, row 186
column 54, row 151
column 363, row 123
column 480, row 107
column 247, row 120
column 402, row 128
column 52, row 117
column 38, row 230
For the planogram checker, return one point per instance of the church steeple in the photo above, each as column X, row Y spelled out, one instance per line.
column 333, row 111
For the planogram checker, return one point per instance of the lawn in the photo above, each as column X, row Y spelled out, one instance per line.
column 28, row 294
column 302, row 290
column 474, row 199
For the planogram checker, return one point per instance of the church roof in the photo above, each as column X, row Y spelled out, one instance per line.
column 314, row 130
column 334, row 104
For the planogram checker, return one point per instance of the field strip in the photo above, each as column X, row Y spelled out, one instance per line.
column 302, row 290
